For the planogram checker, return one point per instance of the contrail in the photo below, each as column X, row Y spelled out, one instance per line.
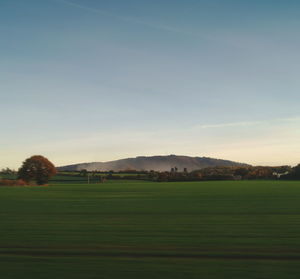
column 97, row 11
column 131, row 20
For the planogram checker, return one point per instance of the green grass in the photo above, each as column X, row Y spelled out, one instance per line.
column 133, row 229
column 73, row 177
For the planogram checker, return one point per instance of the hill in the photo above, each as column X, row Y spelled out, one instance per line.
column 157, row 163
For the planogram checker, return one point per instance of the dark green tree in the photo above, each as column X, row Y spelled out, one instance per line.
column 296, row 171
column 84, row 172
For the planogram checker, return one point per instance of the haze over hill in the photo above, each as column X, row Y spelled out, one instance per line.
column 156, row 163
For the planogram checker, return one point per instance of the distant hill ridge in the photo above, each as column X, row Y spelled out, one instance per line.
column 156, row 163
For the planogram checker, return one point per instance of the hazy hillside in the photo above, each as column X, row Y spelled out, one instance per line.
column 157, row 163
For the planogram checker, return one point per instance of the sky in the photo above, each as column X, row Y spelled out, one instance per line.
column 95, row 80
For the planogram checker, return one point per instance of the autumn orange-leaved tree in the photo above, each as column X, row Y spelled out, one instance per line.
column 38, row 169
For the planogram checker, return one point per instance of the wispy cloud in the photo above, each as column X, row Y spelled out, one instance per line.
column 92, row 10
column 132, row 20
column 223, row 38
column 247, row 123
column 230, row 124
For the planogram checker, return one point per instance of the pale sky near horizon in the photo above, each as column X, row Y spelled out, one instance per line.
column 95, row 80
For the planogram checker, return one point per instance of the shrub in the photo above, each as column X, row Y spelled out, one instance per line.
column 9, row 182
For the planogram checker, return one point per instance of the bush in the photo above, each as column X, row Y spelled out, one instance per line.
column 9, row 182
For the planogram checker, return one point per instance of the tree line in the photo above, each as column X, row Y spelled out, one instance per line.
column 230, row 173
column 210, row 173
column 38, row 170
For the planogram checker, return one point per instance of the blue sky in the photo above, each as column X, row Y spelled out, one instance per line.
column 92, row 80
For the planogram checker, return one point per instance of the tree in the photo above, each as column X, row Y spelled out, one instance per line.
column 84, row 172
column 297, row 169
column 241, row 171
column 7, row 171
column 37, row 168
column 296, row 172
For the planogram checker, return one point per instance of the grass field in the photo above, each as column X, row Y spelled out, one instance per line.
column 75, row 177
column 132, row 229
